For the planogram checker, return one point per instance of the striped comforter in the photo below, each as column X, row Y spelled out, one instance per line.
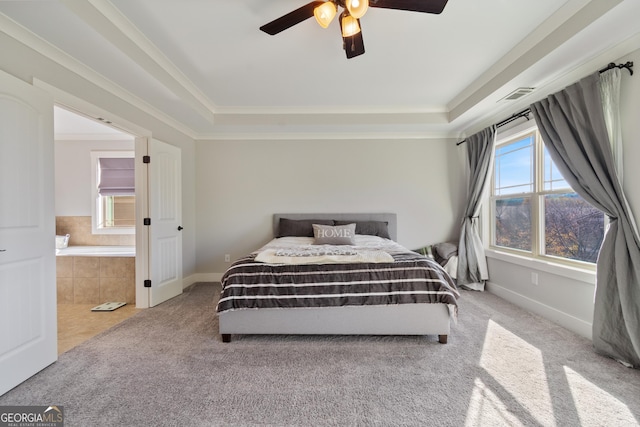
column 410, row 278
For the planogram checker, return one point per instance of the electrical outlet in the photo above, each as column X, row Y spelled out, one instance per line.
column 534, row 278
column 227, row 258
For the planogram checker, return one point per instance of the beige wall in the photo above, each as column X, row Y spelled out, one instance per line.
column 240, row 184
column 73, row 173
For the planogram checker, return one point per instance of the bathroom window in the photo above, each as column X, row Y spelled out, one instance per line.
column 113, row 189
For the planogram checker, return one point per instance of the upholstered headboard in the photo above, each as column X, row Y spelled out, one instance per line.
column 389, row 218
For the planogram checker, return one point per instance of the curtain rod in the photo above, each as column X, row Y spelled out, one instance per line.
column 525, row 113
column 628, row 66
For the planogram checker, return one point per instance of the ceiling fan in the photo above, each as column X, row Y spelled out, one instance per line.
column 325, row 11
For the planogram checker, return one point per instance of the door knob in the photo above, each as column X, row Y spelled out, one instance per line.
column 179, row 228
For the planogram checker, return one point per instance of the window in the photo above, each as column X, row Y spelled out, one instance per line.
column 117, row 211
column 534, row 211
column 113, row 189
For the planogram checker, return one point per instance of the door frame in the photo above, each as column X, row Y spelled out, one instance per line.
column 141, row 135
column 142, row 261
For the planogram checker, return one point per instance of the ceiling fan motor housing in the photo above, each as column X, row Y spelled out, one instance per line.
column 353, row 10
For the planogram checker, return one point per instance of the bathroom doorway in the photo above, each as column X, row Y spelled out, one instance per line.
column 94, row 216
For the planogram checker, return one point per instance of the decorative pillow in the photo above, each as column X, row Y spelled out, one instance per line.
column 443, row 251
column 299, row 227
column 370, row 228
column 334, row 235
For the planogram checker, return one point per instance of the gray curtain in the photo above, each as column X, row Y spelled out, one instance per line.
column 573, row 127
column 472, row 265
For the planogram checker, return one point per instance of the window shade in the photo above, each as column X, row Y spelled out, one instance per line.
column 116, row 176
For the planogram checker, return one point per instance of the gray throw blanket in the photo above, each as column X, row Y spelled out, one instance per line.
column 443, row 251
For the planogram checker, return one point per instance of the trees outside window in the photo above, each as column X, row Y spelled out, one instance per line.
column 534, row 211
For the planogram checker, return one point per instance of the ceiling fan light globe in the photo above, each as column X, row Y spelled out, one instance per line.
column 357, row 8
column 350, row 26
column 325, row 13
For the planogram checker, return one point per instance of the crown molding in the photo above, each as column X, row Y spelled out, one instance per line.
column 106, row 19
column 433, row 111
column 338, row 135
column 565, row 23
column 49, row 51
column 558, row 82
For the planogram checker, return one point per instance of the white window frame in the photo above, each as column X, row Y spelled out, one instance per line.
column 95, row 197
column 537, row 235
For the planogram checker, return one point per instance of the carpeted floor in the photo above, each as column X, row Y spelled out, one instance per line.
column 166, row 366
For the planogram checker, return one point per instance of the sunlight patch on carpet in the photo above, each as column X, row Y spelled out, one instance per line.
column 594, row 404
column 518, row 368
column 485, row 408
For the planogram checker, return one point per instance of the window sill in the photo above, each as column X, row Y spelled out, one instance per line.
column 114, row 230
column 575, row 273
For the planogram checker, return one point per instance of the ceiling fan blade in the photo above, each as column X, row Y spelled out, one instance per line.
column 426, row 6
column 353, row 45
column 290, row 19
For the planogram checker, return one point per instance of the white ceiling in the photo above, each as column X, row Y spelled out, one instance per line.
column 204, row 67
column 71, row 125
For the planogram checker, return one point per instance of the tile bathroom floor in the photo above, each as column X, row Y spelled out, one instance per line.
column 77, row 323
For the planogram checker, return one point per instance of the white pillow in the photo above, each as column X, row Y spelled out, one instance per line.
column 334, row 235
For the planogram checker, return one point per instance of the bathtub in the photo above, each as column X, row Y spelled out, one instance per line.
column 96, row 274
column 97, row 251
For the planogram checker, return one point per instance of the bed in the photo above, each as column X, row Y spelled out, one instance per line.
column 371, row 286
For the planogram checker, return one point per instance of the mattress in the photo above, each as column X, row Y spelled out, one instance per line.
column 334, row 276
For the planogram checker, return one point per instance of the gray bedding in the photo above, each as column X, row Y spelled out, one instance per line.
column 411, row 278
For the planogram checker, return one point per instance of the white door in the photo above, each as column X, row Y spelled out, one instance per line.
column 28, row 324
column 165, row 211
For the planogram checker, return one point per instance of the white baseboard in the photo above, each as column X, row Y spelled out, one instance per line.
column 188, row 281
column 201, row 277
column 563, row 319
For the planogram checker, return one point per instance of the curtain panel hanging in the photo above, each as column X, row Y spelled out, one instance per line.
column 472, row 264
column 572, row 124
column 116, row 176
column 610, row 90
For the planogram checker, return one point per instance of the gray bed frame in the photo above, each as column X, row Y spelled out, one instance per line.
column 400, row 319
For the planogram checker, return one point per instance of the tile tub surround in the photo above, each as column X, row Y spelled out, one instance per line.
column 79, row 228
column 95, row 280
